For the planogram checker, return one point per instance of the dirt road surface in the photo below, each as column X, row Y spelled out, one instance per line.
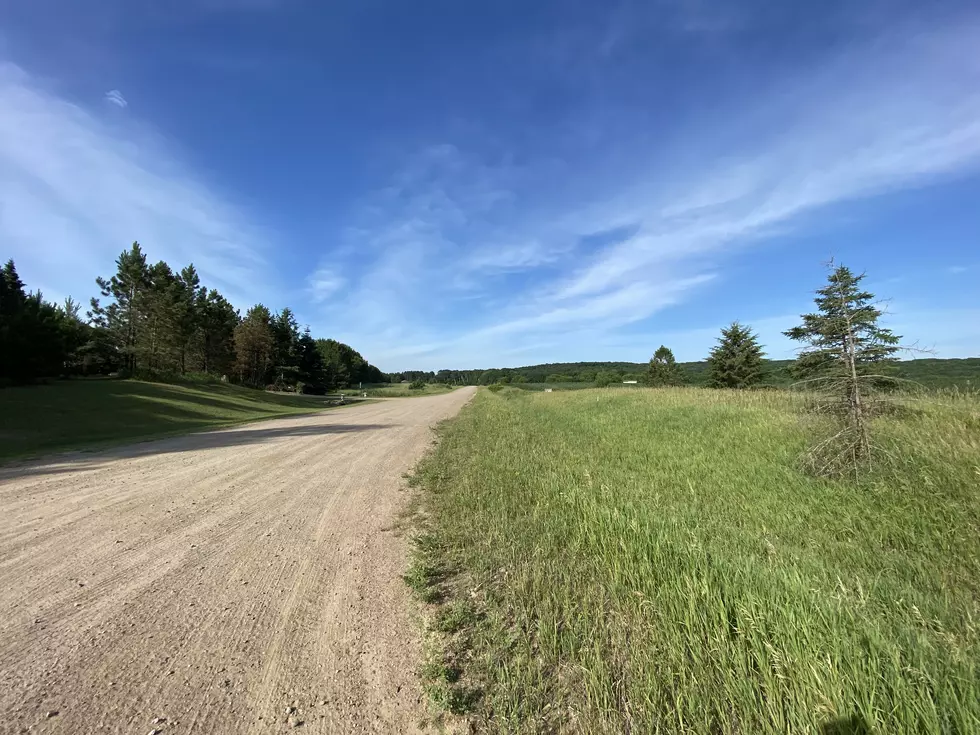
column 238, row 581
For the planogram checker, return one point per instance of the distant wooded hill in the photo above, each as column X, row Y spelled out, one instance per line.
column 931, row 372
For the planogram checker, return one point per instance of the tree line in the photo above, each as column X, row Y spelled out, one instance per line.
column 150, row 321
column 737, row 360
column 842, row 340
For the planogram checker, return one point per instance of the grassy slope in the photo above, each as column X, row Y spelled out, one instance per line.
column 77, row 414
column 652, row 562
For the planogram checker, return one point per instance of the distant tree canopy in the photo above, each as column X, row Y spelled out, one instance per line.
column 931, row 372
column 606, row 377
column 345, row 364
column 153, row 322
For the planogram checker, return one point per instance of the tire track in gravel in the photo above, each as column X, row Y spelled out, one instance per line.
column 234, row 581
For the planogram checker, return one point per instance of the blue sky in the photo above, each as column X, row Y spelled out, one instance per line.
column 458, row 185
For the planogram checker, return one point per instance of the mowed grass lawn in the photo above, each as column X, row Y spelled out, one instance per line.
column 652, row 561
column 77, row 414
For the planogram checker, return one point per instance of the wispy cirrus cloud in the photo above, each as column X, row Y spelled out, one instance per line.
column 115, row 97
column 902, row 111
column 75, row 190
column 324, row 283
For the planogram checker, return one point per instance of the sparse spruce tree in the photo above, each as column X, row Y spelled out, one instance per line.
column 845, row 359
column 663, row 368
column 736, row 361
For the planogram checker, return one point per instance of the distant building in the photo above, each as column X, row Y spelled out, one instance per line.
column 630, row 382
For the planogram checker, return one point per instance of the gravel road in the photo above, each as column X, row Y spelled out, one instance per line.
column 237, row 581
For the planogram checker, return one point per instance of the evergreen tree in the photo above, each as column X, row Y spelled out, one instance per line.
column 157, row 340
column 122, row 318
column 663, row 368
column 188, row 313
column 12, row 298
column 157, row 322
column 311, row 370
column 843, row 337
column 737, row 360
column 215, row 339
column 845, row 355
column 284, row 364
column 345, row 364
column 253, row 346
column 37, row 338
column 12, row 293
column 76, row 335
column 99, row 354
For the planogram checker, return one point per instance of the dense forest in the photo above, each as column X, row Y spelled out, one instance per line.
column 153, row 322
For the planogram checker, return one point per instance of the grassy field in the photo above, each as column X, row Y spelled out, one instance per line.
column 399, row 390
column 652, row 561
column 84, row 413
column 570, row 385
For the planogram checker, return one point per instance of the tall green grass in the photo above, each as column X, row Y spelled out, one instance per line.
column 652, row 561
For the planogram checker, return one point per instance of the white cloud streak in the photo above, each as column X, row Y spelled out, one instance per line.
column 901, row 112
column 323, row 284
column 115, row 97
column 76, row 190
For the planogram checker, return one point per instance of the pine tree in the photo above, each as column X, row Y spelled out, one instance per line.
column 188, row 315
column 12, row 295
column 846, row 356
column 215, row 346
column 253, row 346
column 736, row 361
column 843, row 337
column 311, row 369
column 157, row 342
column 76, row 335
column 283, row 368
column 122, row 318
column 663, row 368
